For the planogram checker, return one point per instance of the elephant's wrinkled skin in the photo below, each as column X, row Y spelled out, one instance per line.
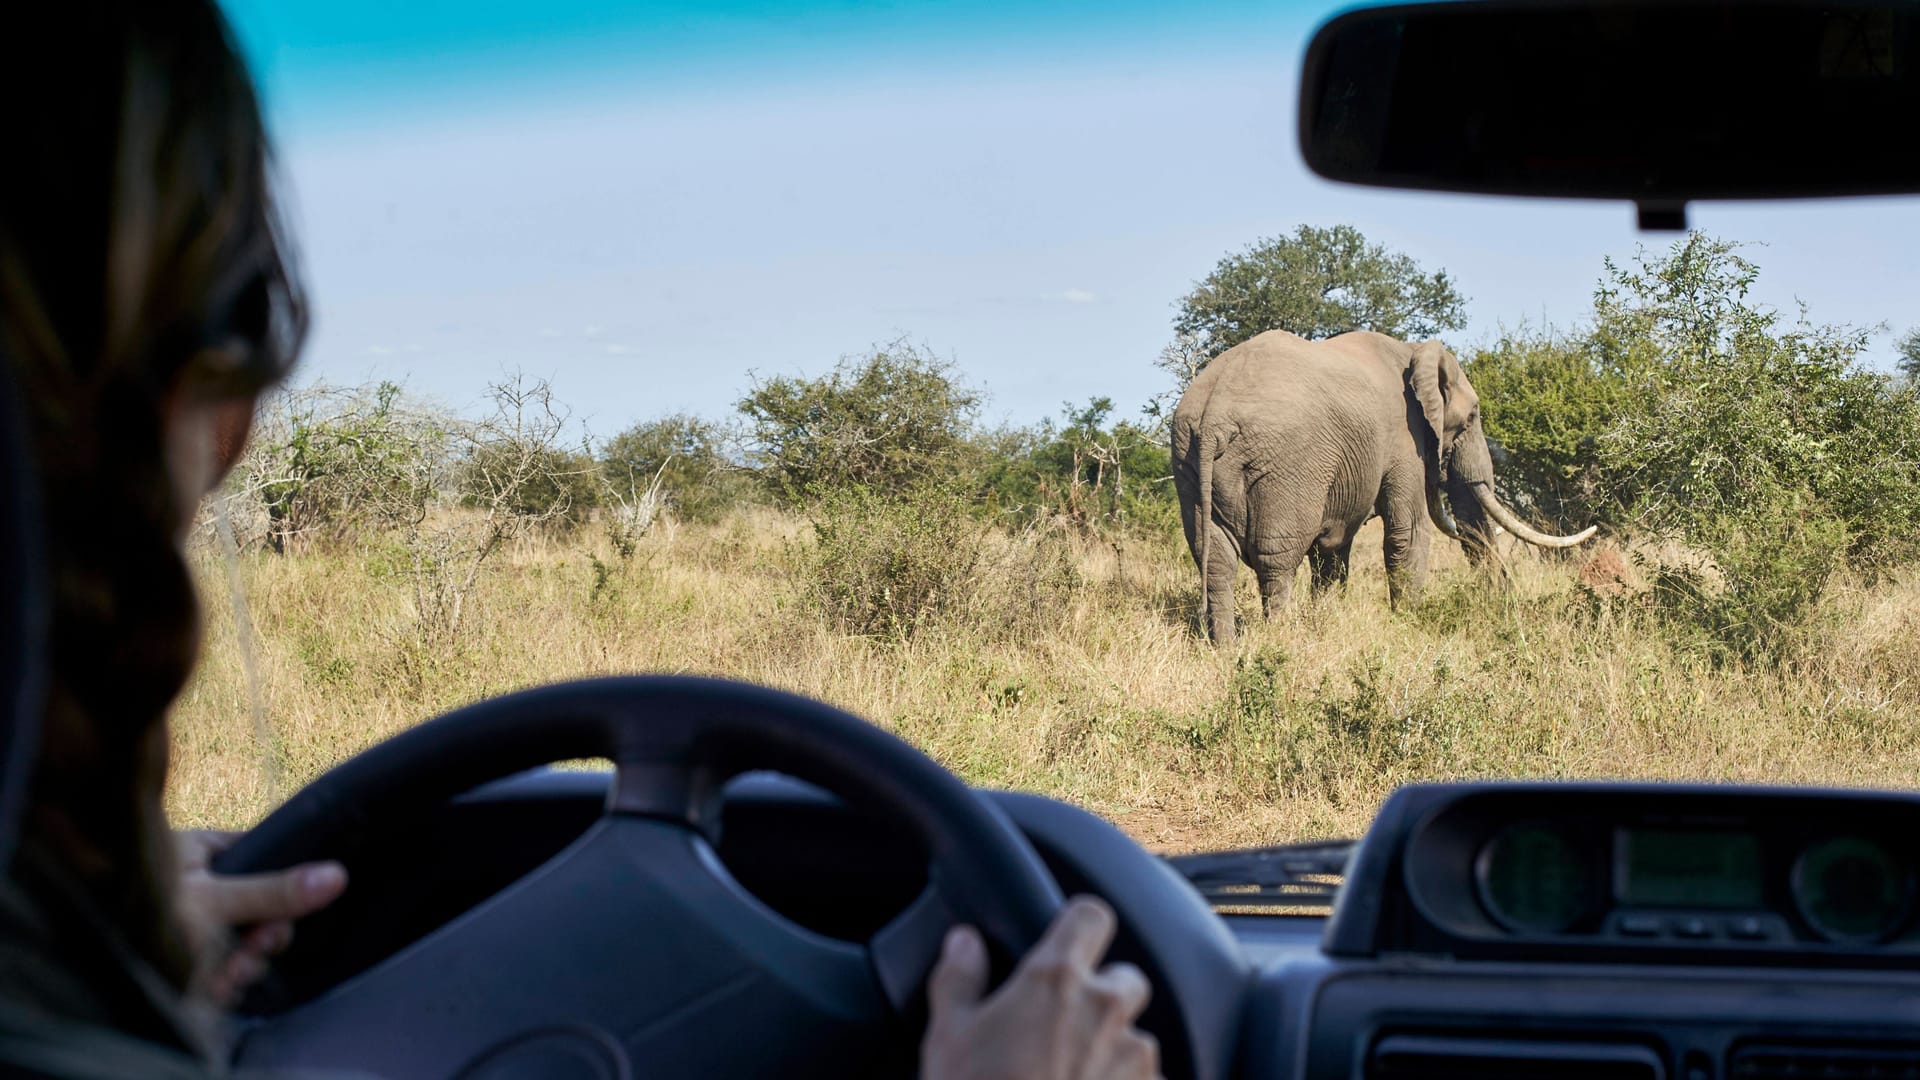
column 1283, row 448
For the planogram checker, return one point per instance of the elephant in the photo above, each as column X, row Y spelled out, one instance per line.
column 1283, row 448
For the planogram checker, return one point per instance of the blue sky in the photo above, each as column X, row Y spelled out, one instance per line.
column 646, row 202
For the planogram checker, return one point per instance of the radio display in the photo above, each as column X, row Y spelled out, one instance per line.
column 1688, row 869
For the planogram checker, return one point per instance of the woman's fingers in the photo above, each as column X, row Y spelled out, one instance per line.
column 1132, row 1055
column 237, row 972
column 268, row 939
column 960, row 978
column 244, row 969
column 1058, row 1017
column 1121, row 991
column 240, row 921
column 197, row 847
column 244, row 899
column 1077, row 939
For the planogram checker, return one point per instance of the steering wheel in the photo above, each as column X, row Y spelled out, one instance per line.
column 691, row 975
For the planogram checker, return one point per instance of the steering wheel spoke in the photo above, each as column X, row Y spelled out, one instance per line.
column 681, row 792
column 905, row 950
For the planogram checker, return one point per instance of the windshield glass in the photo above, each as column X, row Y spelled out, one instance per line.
column 869, row 351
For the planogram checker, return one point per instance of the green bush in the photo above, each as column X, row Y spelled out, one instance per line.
column 687, row 455
column 885, row 566
column 1729, row 407
column 891, row 566
column 330, row 464
column 1757, row 600
column 1089, row 470
column 888, row 420
column 1687, row 412
column 1545, row 405
column 558, row 489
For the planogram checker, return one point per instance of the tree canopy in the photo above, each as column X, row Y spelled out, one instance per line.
column 1317, row 283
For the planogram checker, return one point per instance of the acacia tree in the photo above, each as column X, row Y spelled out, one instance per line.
column 1316, row 283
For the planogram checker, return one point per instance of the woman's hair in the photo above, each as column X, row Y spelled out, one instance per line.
column 140, row 260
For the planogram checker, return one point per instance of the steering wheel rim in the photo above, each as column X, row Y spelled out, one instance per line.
column 674, row 742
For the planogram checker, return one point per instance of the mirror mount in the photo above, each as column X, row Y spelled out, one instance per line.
column 1654, row 216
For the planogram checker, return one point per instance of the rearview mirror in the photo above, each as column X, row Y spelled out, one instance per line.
column 1656, row 101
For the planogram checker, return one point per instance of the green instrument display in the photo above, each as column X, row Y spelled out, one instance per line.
column 1688, row 869
column 1535, row 879
column 1851, row 889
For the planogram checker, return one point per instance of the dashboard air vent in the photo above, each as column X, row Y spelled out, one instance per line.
column 1803, row 1061
column 1441, row 1057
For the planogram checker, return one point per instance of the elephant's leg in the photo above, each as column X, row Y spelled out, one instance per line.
column 1329, row 563
column 1216, row 578
column 1406, row 542
column 1276, row 587
column 1276, row 565
column 1282, row 526
column 1408, row 530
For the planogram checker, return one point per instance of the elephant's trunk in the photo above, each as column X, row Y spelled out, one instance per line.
column 1521, row 529
column 1438, row 510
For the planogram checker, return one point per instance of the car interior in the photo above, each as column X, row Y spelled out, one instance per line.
column 758, row 884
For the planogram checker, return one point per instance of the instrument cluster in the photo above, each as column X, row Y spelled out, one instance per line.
column 1641, row 870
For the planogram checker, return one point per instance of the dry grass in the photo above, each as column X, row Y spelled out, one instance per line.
column 1116, row 705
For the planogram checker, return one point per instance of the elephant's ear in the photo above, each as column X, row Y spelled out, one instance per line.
column 1424, row 375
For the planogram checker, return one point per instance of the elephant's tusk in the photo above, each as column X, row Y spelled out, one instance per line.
column 1520, row 528
column 1441, row 515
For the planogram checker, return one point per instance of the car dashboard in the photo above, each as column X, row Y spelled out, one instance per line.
column 1483, row 930
column 1630, row 930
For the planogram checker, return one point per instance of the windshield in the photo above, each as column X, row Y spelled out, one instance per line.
column 869, row 351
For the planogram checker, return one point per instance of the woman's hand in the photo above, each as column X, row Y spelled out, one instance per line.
column 1058, row 1017
column 237, row 922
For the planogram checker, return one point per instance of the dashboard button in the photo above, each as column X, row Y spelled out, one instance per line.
column 1692, row 928
column 1640, row 926
column 1747, row 928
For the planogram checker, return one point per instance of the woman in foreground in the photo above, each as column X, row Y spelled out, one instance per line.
column 146, row 302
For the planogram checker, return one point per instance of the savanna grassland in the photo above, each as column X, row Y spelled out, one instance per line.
column 1106, row 696
column 1019, row 602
